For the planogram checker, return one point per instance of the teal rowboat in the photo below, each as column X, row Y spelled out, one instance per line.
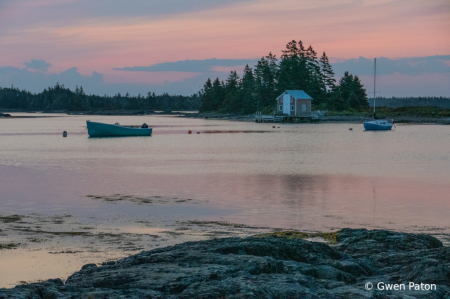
column 107, row 130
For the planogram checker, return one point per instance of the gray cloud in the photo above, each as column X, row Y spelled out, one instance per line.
column 195, row 66
column 8, row 70
column 37, row 81
column 430, row 76
column 360, row 66
column 385, row 66
column 41, row 65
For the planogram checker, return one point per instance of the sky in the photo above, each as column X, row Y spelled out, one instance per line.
column 173, row 46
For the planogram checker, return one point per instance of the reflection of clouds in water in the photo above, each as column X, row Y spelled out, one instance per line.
column 49, row 246
column 289, row 179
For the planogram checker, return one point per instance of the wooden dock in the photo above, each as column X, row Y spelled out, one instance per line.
column 305, row 117
column 259, row 118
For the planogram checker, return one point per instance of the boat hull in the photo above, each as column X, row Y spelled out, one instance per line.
column 377, row 126
column 107, row 130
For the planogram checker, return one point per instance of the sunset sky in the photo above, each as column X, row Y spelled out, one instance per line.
column 96, row 43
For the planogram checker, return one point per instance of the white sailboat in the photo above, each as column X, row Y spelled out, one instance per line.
column 376, row 124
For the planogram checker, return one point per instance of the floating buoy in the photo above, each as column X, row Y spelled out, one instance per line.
column 65, row 134
column 189, row 132
column 198, row 132
column 350, row 129
column 273, row 127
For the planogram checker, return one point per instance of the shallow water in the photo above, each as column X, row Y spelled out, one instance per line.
column 300, row 176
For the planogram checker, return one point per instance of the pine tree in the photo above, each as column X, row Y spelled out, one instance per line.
column 233, row 101
column 328, row 75
column 298, row 69
column 294, row 72
column 265, row 74
column 337, row 102
column 248, row 89
column 353, row 101
column 352, row 92
column 346, row 86
column 360, row 92
column 314, row 86
column 207, row 97
column 218, row 91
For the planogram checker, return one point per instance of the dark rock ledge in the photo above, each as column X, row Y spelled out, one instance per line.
column 264, row 267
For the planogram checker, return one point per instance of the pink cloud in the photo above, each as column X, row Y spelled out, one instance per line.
column 344, row 29
column 145, row 77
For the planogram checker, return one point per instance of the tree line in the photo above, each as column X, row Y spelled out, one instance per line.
column 61, row 98
column 414, row 98
column 299, row 68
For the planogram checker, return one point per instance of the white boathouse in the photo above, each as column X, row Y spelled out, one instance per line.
column 294, row 103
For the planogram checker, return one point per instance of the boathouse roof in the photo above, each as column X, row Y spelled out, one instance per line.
column 298, row 94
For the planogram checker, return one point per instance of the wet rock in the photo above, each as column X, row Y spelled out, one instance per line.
column 350, row 267
column 264, row 267
column 362, row 241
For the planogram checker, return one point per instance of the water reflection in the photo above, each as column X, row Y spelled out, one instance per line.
column 306, row 176
column 319, row 177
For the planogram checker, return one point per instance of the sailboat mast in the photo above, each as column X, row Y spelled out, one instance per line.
column 374, row 82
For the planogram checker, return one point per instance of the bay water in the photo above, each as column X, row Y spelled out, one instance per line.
column 309, row 177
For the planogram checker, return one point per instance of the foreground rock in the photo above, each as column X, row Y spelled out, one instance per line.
column 265, row 267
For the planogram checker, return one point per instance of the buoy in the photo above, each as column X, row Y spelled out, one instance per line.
column 189, row 132
column 350, row 129
column 65, row 134
column 273, row 127
column 198, row 132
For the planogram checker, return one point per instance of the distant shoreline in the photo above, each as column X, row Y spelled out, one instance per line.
column 227, row 116
column 327, row 119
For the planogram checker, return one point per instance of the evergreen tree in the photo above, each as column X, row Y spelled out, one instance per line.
column 295, row 70
column 352, row 92
column 233, row 101
column 265, row 75
column 314, row 87
column 207, row 97
column 218, row 92
column 353, row 101
column 248, row 89
column 336, row 101
column 298, row 69
column 360, row 93
column 328, row 75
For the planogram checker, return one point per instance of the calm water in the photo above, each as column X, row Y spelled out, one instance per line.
column 308, row 176
column 302, row 176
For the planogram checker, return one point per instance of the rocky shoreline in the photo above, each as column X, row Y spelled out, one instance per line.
column 352, row 263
